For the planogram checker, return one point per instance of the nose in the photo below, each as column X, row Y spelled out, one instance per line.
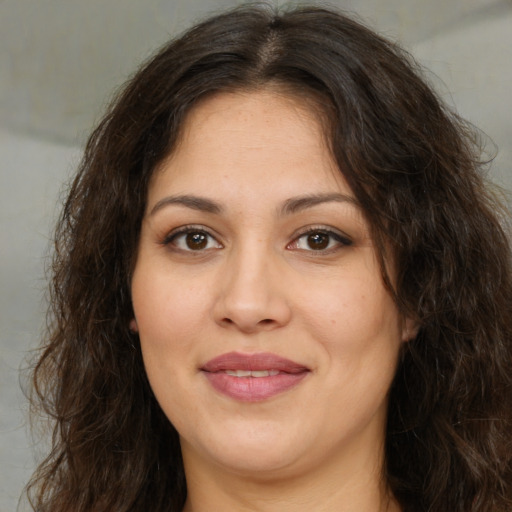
column 252, row 294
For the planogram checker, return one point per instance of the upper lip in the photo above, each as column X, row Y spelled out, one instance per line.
column 255, row 362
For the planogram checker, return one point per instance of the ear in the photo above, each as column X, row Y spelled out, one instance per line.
column 410, row 329
column 133, row 325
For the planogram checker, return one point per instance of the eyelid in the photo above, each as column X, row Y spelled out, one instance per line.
column 343, row 239
column 337, row 234
column 186, row 229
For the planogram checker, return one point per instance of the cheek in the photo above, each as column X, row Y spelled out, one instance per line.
column 168, row 309
column 354, row 312
column 170, row 314
column 358, row 326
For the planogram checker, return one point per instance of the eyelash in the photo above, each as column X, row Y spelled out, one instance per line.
column 183, row 231
column 340, row 239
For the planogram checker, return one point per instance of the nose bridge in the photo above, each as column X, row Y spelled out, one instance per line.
column 251, row 296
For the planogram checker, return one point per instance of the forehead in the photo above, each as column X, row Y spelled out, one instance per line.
column 274, row 107
column 252, row 139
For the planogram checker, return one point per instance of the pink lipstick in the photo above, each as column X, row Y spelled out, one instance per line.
column 253, row 377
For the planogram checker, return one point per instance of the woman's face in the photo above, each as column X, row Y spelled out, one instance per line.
column 268, row 337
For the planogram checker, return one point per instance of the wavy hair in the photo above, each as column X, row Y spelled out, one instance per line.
column 415, row 168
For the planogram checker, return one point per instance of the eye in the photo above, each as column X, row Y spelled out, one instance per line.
column 192, row 239
column 320, row 240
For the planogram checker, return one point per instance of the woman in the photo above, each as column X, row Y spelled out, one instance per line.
column 279, row 284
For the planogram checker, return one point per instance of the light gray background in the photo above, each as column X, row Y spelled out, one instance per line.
column 61, row 60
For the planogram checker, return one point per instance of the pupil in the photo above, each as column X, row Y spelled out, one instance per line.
column 318, row 241
column 196, row 241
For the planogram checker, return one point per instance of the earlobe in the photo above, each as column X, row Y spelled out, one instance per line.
column 410, row 329
column 133, row 325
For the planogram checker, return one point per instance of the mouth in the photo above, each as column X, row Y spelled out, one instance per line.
column 253, row 377
column 250, row 373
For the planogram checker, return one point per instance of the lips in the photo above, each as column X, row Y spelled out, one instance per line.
column 253, row 377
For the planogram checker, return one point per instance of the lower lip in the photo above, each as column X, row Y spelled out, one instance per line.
column 253, row 389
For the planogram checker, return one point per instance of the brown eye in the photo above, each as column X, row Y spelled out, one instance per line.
column 196, row 241
column 318, row 241
column 192, row 240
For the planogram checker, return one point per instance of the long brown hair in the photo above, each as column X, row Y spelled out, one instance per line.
column 414, row 167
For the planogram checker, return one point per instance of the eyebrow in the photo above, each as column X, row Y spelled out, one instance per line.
column 298, row 204
column 194, row 202
column 289, row 207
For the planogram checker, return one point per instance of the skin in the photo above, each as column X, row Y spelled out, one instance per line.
column 260, row 285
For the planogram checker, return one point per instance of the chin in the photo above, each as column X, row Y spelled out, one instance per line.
column 257, row 450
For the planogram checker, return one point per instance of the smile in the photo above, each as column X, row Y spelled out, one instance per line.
column 249, row 373
column 252, row 377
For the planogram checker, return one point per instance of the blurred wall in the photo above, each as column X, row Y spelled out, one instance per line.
column 61, row 60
